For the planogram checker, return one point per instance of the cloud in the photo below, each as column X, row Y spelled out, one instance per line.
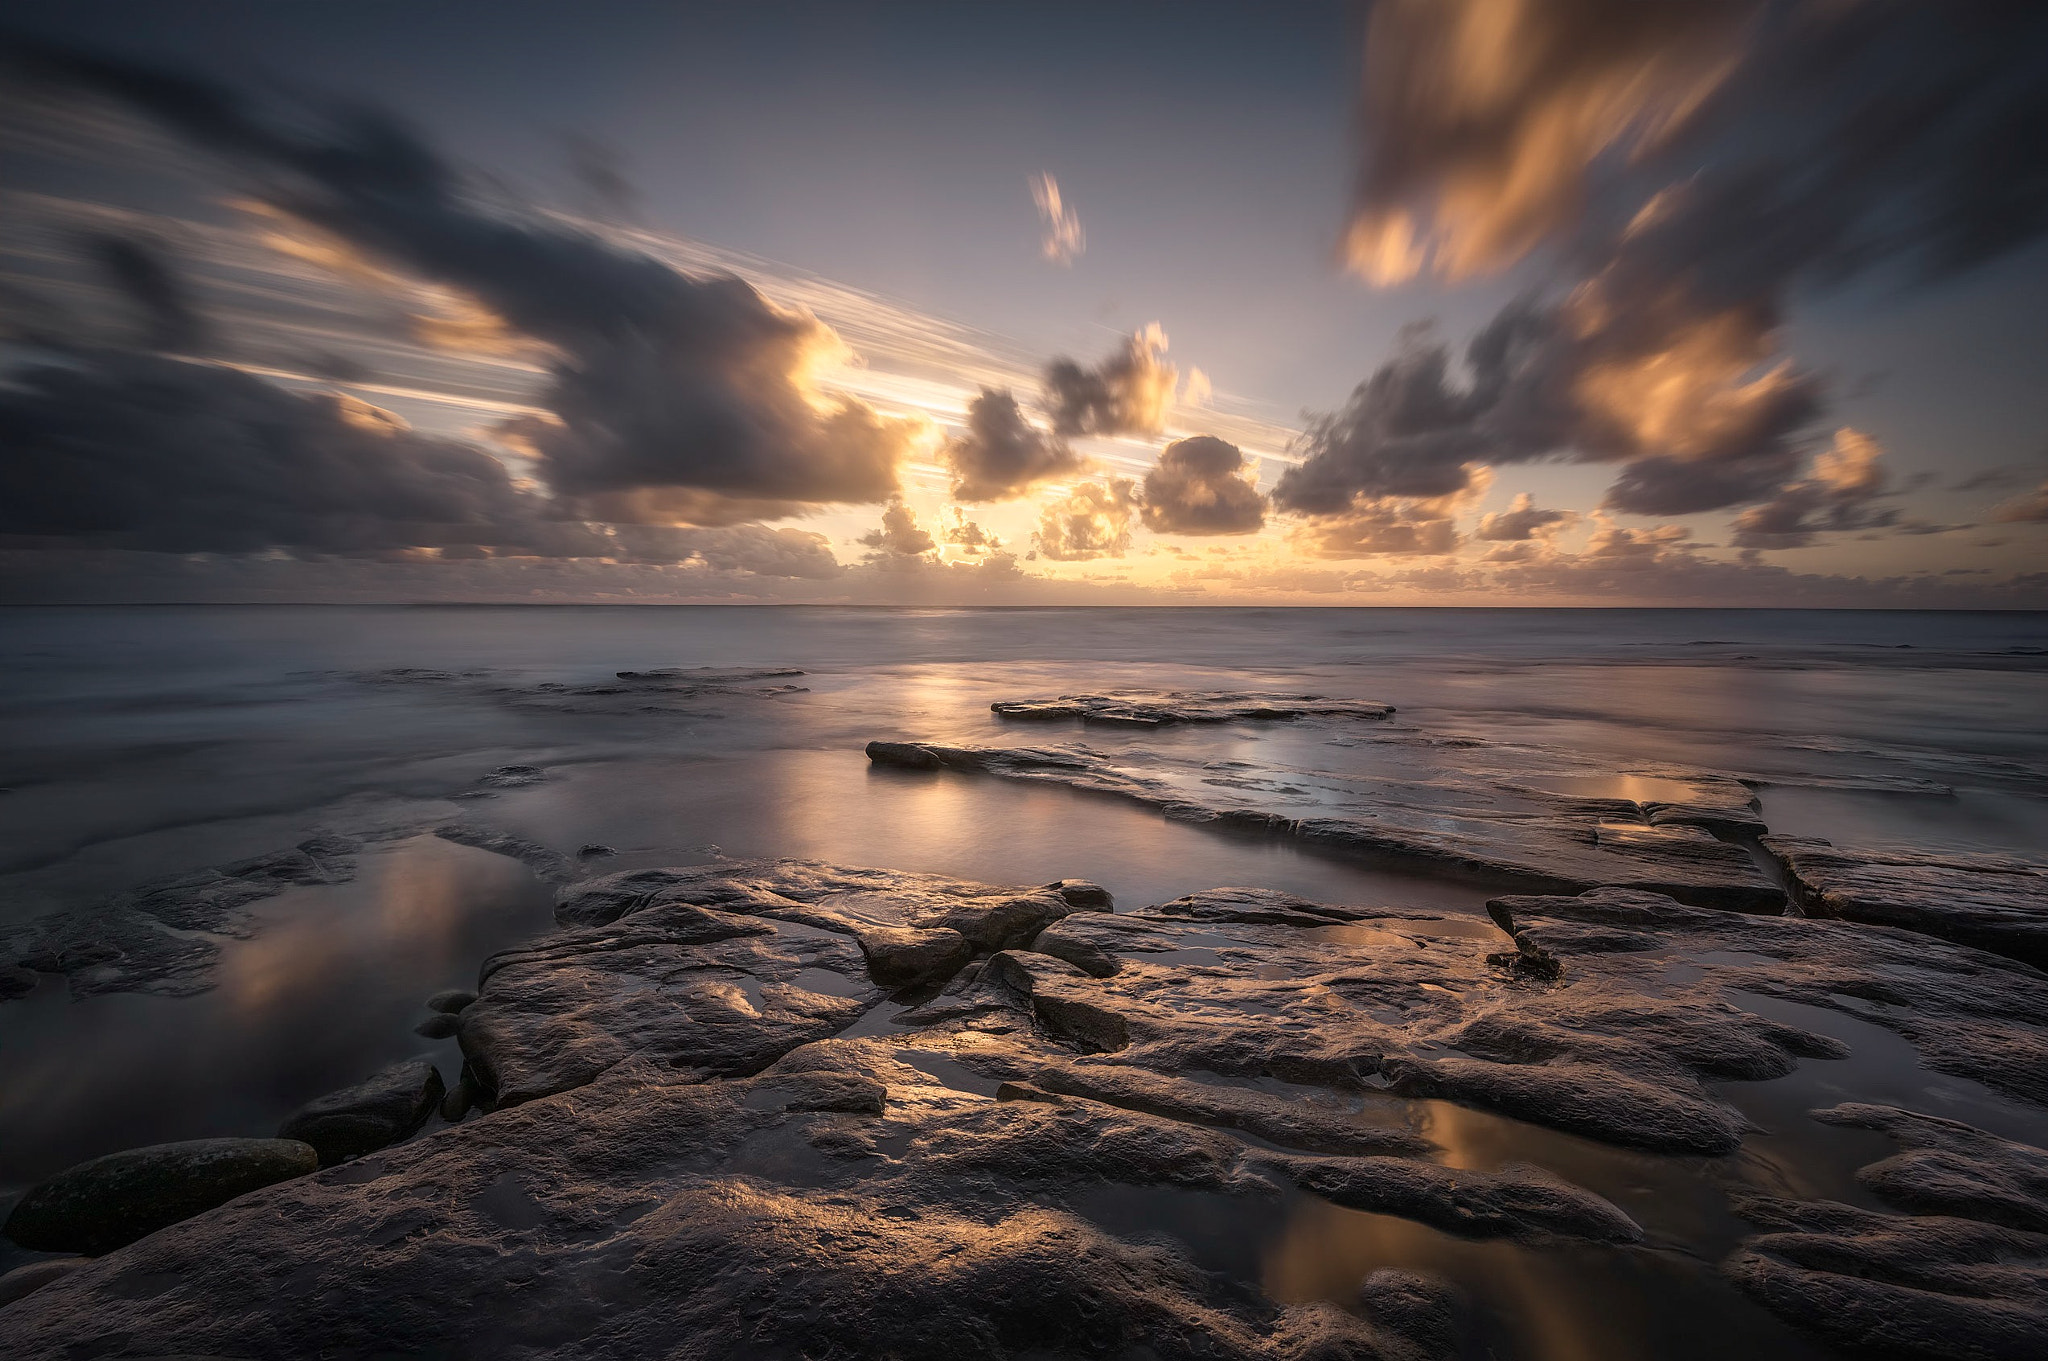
column 756, row 550
column 1128, row 393
column 1522, row 521
column 2031, row 508
column 969, row 537
column 1376, row 529
column 135, row 451
column 900, row 536
column 143, row 273
column 1837, row 495
column 1064, row 240
column 657, row 379
column 1092, row 521
column 1482, row 118
column 1001, row 454
column 1694, row 164
column 1199, row 487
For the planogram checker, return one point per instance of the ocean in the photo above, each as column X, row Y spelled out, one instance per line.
column 140, row 744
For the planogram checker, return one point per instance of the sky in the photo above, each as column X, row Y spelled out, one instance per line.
column 1584, row 302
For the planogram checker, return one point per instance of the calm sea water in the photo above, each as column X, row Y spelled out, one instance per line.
column 142, row 742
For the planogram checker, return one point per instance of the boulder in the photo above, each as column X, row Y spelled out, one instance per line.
column 112, row 1201
column 380, row 1110
column 450, row 1000
column 907, row 957
column 24, row 1280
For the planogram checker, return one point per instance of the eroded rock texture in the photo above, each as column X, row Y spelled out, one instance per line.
column 1964, row 1274
column 842, row 1203
column 1992, row 902
column 1154, row 709
column 1488, row 826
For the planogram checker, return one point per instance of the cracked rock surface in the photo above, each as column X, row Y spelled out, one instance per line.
column 1995, row 903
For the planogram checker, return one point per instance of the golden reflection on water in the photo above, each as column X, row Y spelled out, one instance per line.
column 416, row 895
column 1325, row 1253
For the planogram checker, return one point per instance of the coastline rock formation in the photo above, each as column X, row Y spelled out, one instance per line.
column 1490, row 831
column 1964, row 1273
column 1152, row 709
column 1994, row 903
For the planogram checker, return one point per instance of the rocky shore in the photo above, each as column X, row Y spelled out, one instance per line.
column 787, row 1108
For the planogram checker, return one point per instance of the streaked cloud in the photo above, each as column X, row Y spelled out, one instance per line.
column 1063, row 241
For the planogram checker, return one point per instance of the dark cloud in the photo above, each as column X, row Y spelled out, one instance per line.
column 142, row 452
column 1002, row 455
column 1522, row 522
column 900, row 536
column 658, row 380
column 143, row 273
column 1839, row 494
column 1126, row 394
column 1199, row 487
column 1696, row 164
column 1092, row 521
column 2031, row 508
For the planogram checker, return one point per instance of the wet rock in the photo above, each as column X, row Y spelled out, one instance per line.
column 1083, row 895
column 1964, row 1275
column 439, row 1026
column 15, row 982
column 1721, row 821
column 450, row 1000
column 907, row 957
column 1989, row 902
column 512, row 777
column 25, row 1280
column 1429, row 1314
column 1152, row 709
column 380, row 1110
column 458, row 1100
column 701, row 990
column 829, row 897
column 1967, row 1013
column 594, row 850
column 1950, row 1168
column 1516, row 1202
column 548, row 866
column 1076, row 950
column 110, row 1202
column 640, row 1216
column 1492, row 829
column 1290, row 1123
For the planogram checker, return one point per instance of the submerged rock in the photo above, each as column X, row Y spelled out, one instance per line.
column 1152, row 708
column 380, row 1110
column 110, row 1202
column 153, row 939
column 1966, row 1275
column 548, row 866
column 1991, row 902
column 1488, row 829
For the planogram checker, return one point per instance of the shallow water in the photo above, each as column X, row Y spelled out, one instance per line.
column 140, row 743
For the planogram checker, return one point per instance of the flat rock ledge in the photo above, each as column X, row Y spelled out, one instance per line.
column 1962, row 1274
column 1515, row 837
column 1156, row 709
column 1995, row 903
